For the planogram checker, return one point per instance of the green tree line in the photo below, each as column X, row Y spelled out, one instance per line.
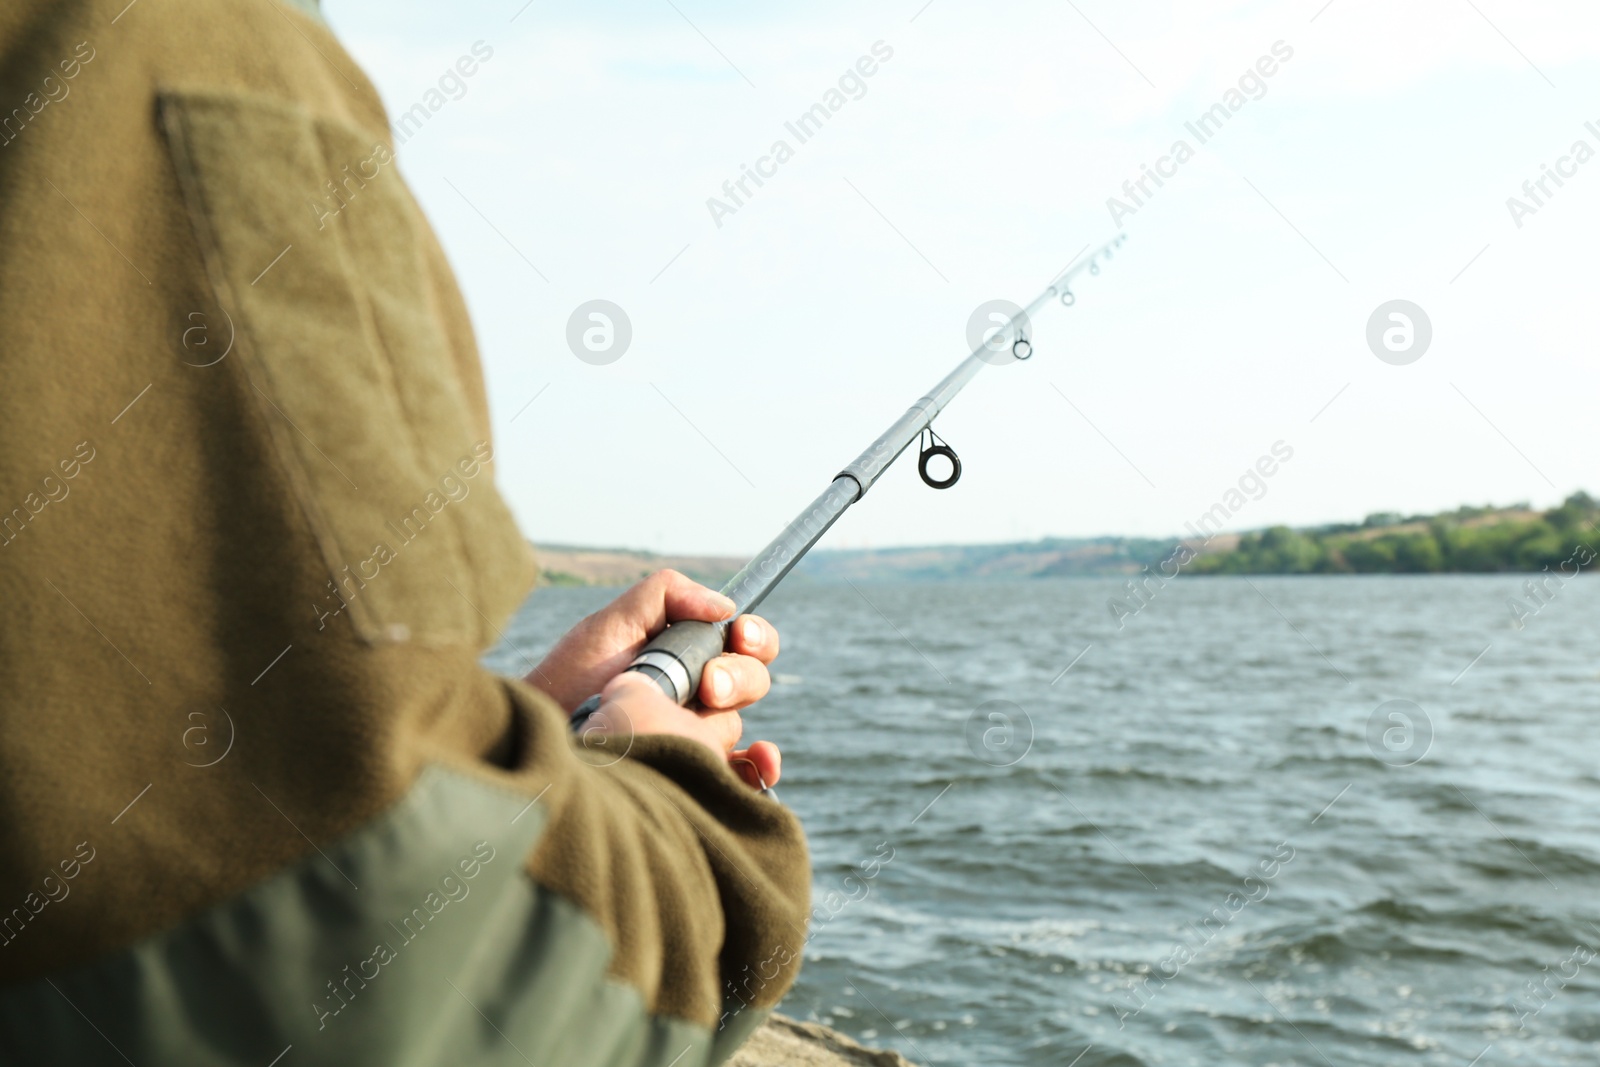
column 1466, row 540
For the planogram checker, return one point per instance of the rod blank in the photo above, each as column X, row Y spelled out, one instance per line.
column 761, row 575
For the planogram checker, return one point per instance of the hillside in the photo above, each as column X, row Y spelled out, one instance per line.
column 1052, row 557
column 1467, row 540
column 571, row 565
column 1049, row 558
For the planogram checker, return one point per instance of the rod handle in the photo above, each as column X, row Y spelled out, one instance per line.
column 677, row 656
column 674, row 659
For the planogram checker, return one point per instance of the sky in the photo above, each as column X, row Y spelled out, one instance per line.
column 774, row 338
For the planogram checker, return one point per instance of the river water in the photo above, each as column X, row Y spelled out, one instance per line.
column 1347, row 820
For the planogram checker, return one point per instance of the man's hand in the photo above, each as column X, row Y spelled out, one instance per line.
column 591, row 656
column 631, row 705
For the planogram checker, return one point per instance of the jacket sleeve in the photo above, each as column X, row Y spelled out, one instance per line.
column 701, row 883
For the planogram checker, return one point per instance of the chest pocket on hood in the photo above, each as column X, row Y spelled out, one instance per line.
column 321, row 259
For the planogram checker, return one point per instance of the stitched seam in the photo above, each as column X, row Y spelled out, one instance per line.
column 375, row 339
column 174, row 112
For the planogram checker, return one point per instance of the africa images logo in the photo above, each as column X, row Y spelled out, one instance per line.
column 802, row 129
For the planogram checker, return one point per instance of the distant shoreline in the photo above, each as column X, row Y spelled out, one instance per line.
column 1469, row 540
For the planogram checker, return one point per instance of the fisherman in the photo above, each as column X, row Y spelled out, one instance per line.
column 262, row 805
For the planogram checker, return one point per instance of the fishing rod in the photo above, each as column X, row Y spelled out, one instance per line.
column 675, row 658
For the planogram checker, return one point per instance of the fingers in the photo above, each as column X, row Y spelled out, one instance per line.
column 667, row 596
column 740, row 679
column 759, row 765
column 754, row 636
column 680, row 597
column 731, row 682
column 632, row 704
